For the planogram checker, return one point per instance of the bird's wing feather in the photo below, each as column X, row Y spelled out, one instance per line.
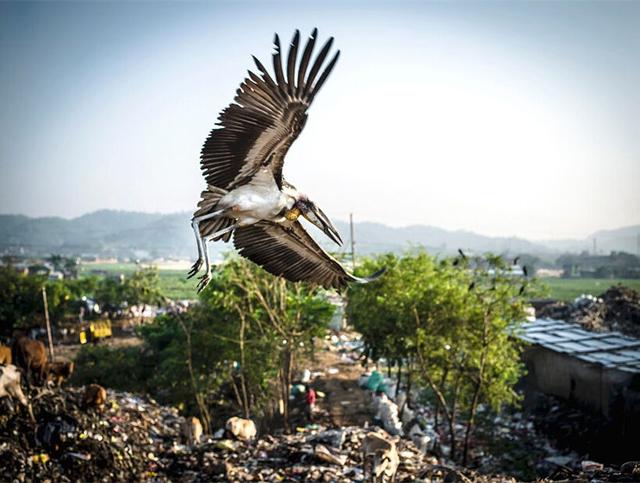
column 290, row 252
column 265, row 118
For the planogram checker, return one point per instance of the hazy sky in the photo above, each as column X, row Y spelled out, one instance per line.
column 505, row 118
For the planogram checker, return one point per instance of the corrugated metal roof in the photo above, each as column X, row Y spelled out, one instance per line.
column 610, row 349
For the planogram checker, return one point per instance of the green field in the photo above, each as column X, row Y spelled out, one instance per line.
column 570, row 288
column 173, row 283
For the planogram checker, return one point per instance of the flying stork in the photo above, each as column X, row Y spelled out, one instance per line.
column 247, row 195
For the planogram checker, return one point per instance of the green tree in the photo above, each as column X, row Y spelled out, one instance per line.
column 276, row 317
column 143, row 287
column 247, row 332
column 451, row 323
column 20, row 300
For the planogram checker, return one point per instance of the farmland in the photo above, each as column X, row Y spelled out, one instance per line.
column 173, row 281
column 174, row 284
column 570, row 288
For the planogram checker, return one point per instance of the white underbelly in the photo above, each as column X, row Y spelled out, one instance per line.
column 258, row 200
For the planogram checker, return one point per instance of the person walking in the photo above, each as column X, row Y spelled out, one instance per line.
column 311, row 402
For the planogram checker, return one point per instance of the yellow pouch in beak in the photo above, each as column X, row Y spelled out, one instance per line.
column 293, row 214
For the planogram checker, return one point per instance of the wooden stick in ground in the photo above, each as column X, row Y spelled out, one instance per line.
column 46, row 318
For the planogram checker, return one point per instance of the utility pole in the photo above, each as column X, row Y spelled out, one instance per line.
column 594, row 246
column 353, row 243
column 46, row 318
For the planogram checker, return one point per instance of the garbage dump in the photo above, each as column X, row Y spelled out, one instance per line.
column 617, row 309
column 68, row 443
column 135, row 439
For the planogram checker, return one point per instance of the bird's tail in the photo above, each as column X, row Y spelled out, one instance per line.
column 208, row 203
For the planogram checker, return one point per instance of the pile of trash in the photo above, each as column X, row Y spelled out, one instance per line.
column 569, row 427
column 617, row 309
column 314, row 453
column 135, row 438
column 68, row 443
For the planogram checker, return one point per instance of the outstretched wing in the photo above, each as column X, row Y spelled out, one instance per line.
column 290, row 252
column 266, row 117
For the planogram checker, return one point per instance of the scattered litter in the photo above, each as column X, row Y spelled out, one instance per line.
column 617, row 309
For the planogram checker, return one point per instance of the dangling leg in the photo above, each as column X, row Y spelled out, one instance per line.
column 195, row 268
column 195, row 224
column 206, row 278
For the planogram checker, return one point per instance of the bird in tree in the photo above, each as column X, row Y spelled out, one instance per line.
column 247, row 196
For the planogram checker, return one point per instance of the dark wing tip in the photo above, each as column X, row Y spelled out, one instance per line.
column 296, row 37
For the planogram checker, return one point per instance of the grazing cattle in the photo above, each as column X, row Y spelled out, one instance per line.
column 60, row 370
column 380, row 458
column 192, row 430
column 244, row 429
column 95, row 396
column 5, row 355
column 10, row 386
column 31, row 356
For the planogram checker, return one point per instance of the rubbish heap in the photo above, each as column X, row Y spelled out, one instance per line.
column 68, row 443
column 616, row 309
column 136, row 439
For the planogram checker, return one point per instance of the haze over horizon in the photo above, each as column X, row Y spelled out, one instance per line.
column 498, row 118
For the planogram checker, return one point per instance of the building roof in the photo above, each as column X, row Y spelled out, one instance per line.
column 609, row 349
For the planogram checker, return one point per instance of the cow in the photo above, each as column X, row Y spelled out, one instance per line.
column 95, row 396
column 10, row 386
column 244, row 429
column 5, row 355
column 192, row 430
column 380, row 457
column 58, row 371
column 30, row 355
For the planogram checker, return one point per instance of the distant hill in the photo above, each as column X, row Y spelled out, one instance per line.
column 376, row 237
column 620, row 240
column 126, row 234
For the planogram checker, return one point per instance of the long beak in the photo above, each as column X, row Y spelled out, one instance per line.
column 316, row 216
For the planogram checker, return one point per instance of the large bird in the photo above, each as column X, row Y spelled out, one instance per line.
column 242, row 160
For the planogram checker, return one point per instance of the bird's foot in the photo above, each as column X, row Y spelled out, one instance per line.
column 204, row 281
column 195, row 268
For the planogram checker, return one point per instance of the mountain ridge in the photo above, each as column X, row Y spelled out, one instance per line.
column 122, row 234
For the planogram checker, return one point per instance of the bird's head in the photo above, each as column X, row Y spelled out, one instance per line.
column 307, row 208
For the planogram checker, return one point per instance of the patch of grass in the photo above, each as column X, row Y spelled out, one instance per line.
column 570, row 288
column 111, row 268
column 173, row 283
